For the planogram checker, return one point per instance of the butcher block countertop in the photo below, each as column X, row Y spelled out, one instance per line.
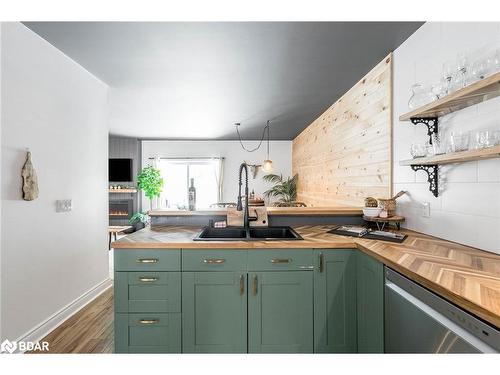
column 468, row 277
column 288, row 211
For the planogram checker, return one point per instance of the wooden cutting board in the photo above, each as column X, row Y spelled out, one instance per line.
column 235, row 218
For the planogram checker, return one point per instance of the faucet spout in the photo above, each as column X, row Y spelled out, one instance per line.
column 239, row 206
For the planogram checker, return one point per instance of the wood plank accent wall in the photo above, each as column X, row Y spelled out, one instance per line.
column 345, row 155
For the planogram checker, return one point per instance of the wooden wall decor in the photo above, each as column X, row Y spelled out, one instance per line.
column 345, row 155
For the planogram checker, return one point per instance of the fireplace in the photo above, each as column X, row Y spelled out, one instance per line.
column 121, row 209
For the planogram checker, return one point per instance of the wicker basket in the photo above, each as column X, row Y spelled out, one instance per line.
column 389, row 204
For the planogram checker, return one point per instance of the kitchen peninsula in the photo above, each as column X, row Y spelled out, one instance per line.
column 322, row 294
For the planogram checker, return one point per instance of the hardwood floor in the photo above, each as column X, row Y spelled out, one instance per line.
column 88, row 331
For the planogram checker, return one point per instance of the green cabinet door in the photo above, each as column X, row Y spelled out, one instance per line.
column 335, row 301
column 214, row 312
column 370, row 297
column 280, row 312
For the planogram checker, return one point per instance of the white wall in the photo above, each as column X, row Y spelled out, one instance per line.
column 468, row 210
column 280, row 154
column 57, row 109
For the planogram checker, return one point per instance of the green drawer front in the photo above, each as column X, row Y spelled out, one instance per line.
column 148, row 333
column 280, row 260
column 214, row 260
column 147, row 292
column 147, row 260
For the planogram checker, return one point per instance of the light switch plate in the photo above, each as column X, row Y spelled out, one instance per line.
column 64, row 205
column 426, row 209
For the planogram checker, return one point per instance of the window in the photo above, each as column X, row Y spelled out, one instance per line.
column 177, row 174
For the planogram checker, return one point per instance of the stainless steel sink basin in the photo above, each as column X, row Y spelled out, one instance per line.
column 252, row 234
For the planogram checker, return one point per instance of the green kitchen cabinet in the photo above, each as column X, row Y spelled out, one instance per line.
column 214, row 306
column 370, row 301
column 144, row 292
column 280, row 312
column 148, row 333
column 335, row 301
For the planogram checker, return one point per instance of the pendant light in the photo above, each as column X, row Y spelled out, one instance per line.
column 267, row 164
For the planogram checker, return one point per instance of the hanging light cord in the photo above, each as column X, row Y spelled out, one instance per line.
column 261, row 139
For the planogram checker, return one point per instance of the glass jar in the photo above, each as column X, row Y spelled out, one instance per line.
column 418, row 150
column 420, row 96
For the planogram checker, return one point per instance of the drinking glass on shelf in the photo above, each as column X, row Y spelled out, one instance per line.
column 459, row 141
column 492, row 62
column 438, row 143
column 489, row 138
column 448, row 70
column 484, row 139
column 462, row 66
column 477, row 71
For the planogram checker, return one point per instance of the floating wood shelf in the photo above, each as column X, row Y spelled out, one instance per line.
column 485, row 89
column 118, row 191
column 456, row 157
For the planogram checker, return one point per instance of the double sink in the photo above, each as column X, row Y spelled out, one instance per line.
column 251, row 234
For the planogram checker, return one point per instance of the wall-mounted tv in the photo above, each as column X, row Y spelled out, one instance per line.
column 120, row 170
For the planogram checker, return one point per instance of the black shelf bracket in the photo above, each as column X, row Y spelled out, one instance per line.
column 430, row 122
column 432, row 176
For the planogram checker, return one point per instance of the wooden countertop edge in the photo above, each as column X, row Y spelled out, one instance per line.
column 286, row 211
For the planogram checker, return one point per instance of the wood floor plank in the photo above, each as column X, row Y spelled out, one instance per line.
column 88, row 331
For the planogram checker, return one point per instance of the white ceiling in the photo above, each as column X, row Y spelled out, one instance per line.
column 195, row 80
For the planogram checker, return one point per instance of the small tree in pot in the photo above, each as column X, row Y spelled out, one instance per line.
column 284, row 189
column 151, row 182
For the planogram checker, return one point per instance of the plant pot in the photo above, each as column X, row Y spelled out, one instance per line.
column 138, row 226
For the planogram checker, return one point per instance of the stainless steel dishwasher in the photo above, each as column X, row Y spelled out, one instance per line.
column 419, row 321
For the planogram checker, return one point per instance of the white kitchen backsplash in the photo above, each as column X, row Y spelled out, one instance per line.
column 468, row 209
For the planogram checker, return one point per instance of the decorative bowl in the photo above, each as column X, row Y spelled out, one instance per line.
column 372, row 211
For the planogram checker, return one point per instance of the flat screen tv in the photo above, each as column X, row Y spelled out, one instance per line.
column 120, row 170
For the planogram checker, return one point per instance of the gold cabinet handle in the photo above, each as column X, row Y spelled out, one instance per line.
column 321, row 262
column 280, row 261
column 148, row 260
column 148, row 321
column 242, row 285
column 254, row 287
column 148, row 279
column 214, row 261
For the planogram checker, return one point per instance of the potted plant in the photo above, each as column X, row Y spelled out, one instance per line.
column 151, row 182
column 139, row 220
column 284, row 189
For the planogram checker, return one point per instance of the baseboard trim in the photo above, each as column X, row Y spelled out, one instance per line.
column 54, row 321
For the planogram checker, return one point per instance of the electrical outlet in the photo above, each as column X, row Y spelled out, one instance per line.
column 426, row 209
column 64, row 205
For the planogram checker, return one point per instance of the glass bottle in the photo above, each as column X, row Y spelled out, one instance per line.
column 192, row 196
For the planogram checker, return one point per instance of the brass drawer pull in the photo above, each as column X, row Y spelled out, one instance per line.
column 149, row 321
column 321, row 262
column 254, row 288
column 148, row 260
column 280, row 261
column 242, row 285
column 148, row 279
column 214, row 261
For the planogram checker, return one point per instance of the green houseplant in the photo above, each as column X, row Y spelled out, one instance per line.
column 139, row 220
column 284, row 189
column 151, row 182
